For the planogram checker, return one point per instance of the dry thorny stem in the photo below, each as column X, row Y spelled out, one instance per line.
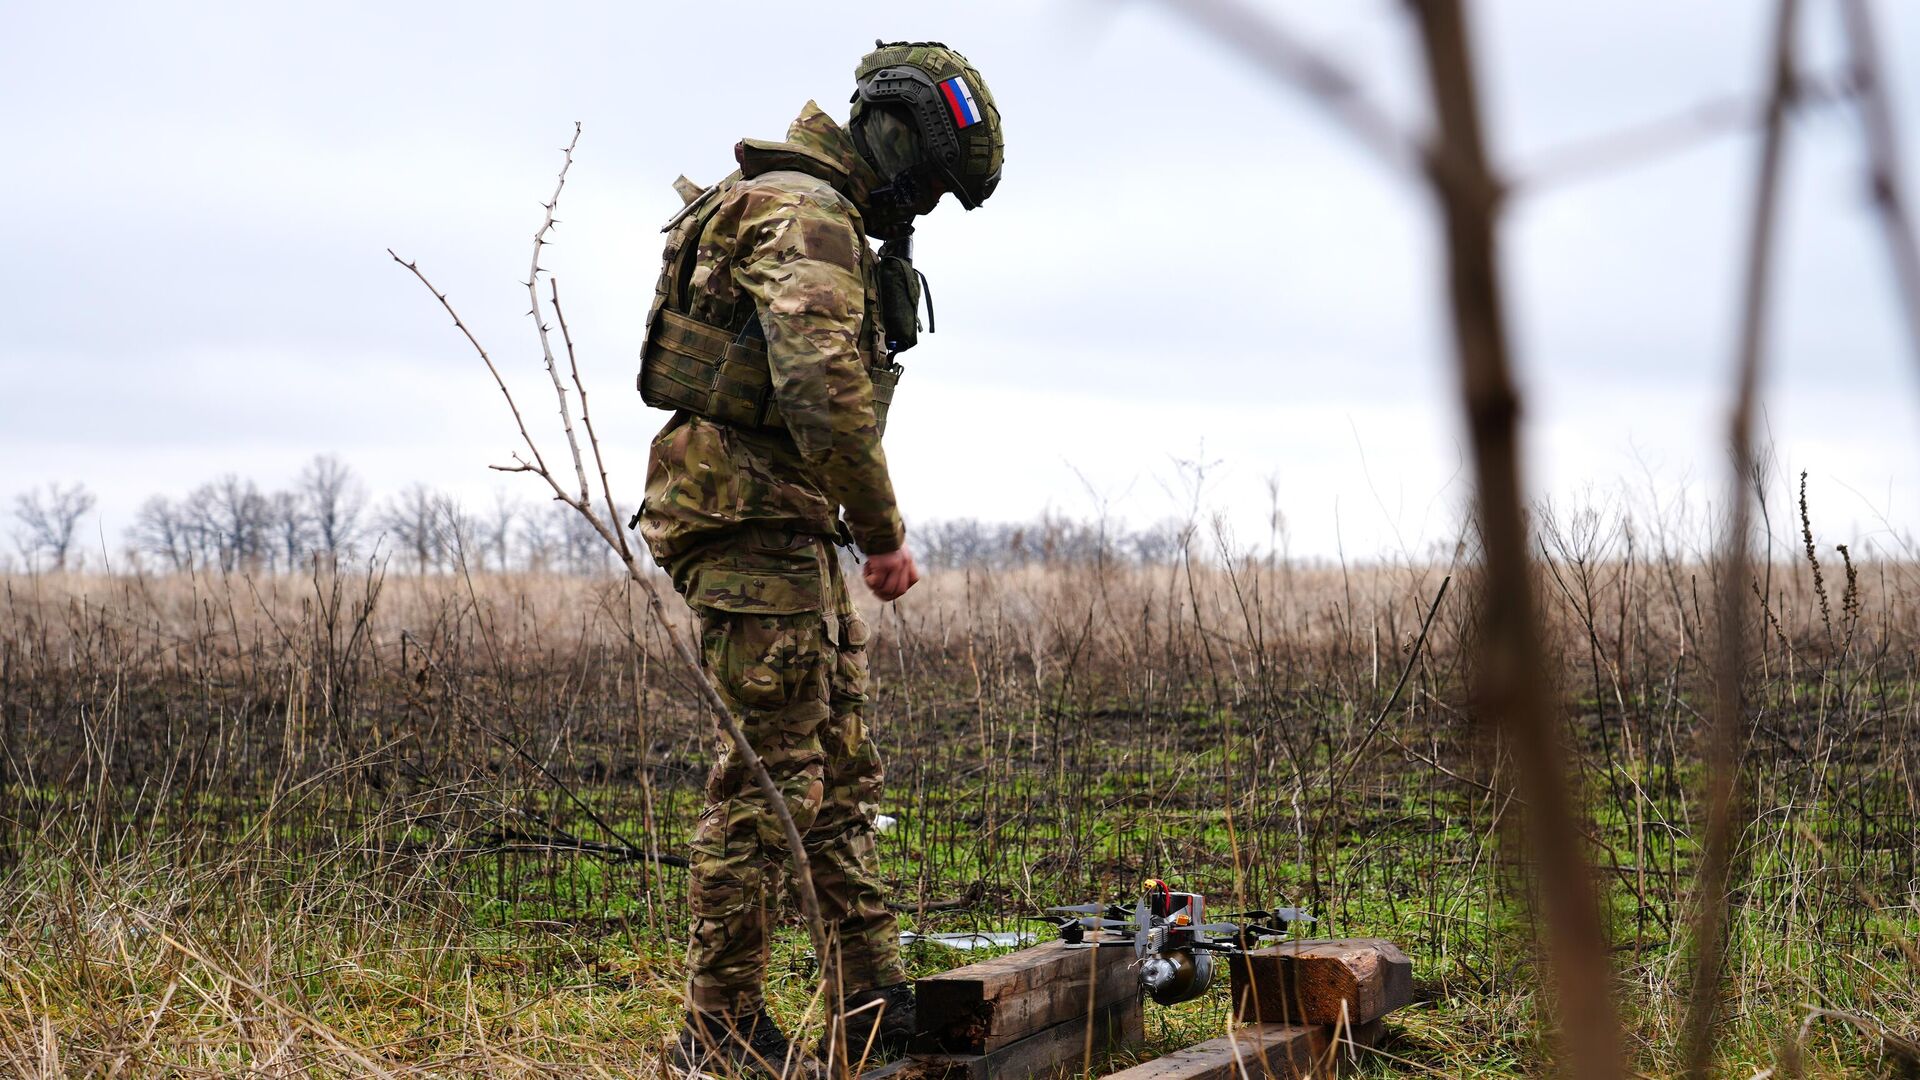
column 1883, row 162
column 546, row 344
column 1729, row 730
column 1511, row 666
column 609, row 526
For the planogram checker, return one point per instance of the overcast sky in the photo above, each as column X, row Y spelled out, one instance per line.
column 1183, row 262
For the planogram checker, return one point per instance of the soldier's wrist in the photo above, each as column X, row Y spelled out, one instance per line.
column 882, row 541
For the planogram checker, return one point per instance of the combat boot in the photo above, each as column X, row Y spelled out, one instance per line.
column 717, row 1047
column 891, row 1009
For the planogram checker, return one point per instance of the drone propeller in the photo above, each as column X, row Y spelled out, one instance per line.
column 1081, row 909
column 1223, row 928
column 1282, row 915
column 1087, row 922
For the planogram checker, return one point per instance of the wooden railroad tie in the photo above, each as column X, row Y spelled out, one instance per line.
column 1023, row 1014
column 1301, row 1008
column 1349, row 980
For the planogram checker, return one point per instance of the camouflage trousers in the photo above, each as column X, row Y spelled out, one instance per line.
column 797, row 683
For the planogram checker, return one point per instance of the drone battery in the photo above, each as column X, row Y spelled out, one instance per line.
column 1166, row 903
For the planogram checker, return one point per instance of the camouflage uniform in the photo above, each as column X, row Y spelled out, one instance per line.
column 744, row 520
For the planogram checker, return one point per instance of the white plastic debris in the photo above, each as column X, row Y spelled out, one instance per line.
column 883, row 823
column 965, row 941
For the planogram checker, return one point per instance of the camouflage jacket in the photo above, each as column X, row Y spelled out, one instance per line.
column 736, row 515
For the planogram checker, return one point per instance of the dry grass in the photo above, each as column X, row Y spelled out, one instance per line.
column 314, row 825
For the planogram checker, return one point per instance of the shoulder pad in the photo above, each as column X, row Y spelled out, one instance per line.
column 758, row 156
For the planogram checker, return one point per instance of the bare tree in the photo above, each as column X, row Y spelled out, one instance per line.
column 228, row 523
column 412, row 519
column 161, row 529
column 581, row 549
column 1157, row 544
column 1049, row 539
column 48, row 519
column 496, row 531
column 334, row 501
column 541, row 541
column 456, row 534
column 292, row 529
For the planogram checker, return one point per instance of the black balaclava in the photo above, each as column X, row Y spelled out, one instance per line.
column 909, row 186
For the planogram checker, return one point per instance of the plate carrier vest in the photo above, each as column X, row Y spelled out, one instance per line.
column 708, row 370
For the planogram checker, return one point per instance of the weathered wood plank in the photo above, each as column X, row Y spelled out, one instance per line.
column 1309, row 982
column 1116, row 1025
column 1256, row 1051
column 982, row 1007
column 1261, row 1051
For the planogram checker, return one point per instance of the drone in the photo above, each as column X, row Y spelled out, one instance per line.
column 1173, row 944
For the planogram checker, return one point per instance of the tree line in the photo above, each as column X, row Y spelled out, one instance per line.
column 326, row 517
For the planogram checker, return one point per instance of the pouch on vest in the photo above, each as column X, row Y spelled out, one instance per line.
column 901, row 287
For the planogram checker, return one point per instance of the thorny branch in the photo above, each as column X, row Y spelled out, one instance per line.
column 1677, row 131
column 1511, row 666
column 586, row 418
column 1729, row 730
column 540, row 241
column 1286, row 58
column 1883, row 157
column 1282, row 54
column 608, row 528
column 537, row 465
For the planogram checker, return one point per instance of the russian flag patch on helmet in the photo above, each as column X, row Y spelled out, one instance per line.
column 960, row 100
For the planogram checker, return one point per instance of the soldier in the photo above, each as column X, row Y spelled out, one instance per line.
column 773, row 336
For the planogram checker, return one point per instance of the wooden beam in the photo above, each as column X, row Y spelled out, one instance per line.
column 1116, row 1025
column 983, row 1007
column 1255, row 1051
column 1353, row 981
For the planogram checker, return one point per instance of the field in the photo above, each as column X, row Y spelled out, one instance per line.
column 363, row 823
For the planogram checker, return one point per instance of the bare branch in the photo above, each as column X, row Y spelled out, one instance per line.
column 477, row 347
column 1708, row 943
column 1280, row 54
column 1670, row 134
column 1656, row 138
column 1883, row 154
column 1511, row 664
column 533, row 292
column 619, row 538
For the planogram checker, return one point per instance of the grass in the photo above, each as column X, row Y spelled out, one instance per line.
column 280, row 825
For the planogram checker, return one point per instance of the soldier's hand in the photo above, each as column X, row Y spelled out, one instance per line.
column 889, row 576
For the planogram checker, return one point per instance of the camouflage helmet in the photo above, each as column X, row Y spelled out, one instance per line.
column 950, row 108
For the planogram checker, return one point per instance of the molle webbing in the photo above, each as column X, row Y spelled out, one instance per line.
column 703, row 369
column 709, row 372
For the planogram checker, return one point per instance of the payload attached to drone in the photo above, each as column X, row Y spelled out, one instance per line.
column 1172, row 941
